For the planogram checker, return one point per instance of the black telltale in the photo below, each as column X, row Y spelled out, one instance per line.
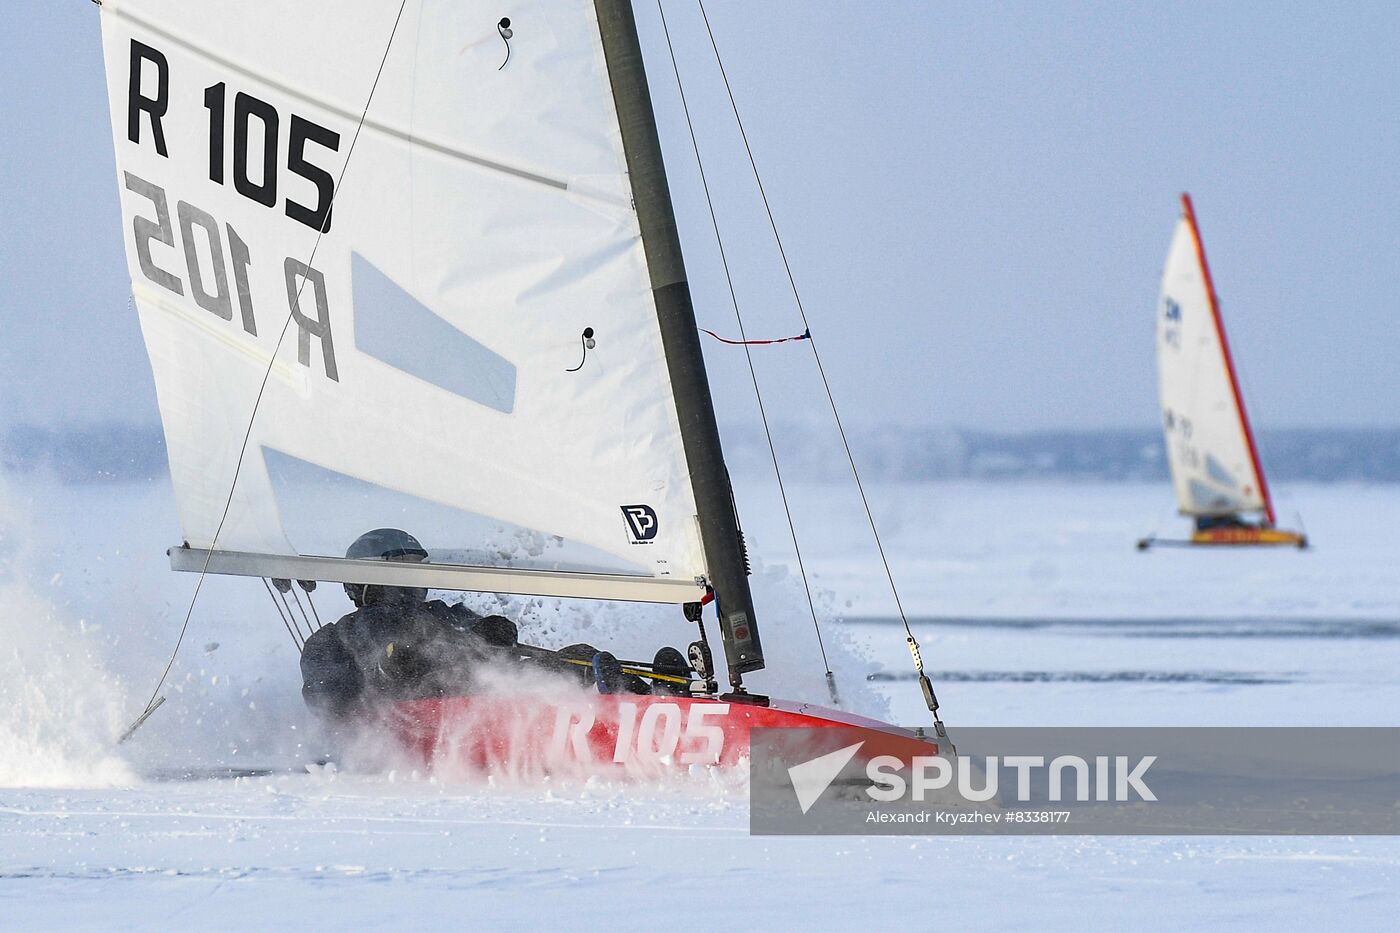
column 503, row 28
column 588, row 344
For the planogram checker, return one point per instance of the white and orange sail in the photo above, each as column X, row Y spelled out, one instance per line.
column 1214, row 459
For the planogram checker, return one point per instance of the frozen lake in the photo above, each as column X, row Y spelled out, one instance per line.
column 1029, row 600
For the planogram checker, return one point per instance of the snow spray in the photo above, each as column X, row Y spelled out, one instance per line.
column 60, row 710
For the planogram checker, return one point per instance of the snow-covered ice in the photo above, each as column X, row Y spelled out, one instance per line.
column 1033, row 607
column 306, row 853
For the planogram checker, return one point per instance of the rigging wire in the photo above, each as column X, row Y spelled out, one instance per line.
column 1261, row 448
column 312, row 603
column 748, row 355
column 293, row 591
column 282, row 587
column 913, row 644
column 267, row 374
column 756, row 343
column 287, row 625
column 1246, row 391
column 303, row 610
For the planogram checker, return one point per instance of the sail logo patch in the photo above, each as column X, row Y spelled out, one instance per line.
column 642, row 523
column 1171, row 322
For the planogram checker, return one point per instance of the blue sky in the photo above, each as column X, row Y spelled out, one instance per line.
column 977, row 199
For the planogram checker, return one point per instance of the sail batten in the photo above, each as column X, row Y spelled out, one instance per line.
column 1210, row 445
column 482, row 224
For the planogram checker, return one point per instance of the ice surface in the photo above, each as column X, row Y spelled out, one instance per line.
column 1065, row 550
column 1034, row 609
column 308, row 853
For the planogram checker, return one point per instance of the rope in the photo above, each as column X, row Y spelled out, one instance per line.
column 635, row 668
column 753, row 373
column 821, row 370
column 312, row 603
column 287, row 625
column 267, row 374
column 755, row 343
column 290, row 614
column 302, row 609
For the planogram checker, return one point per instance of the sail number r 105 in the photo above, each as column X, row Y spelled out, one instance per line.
column 255, row 178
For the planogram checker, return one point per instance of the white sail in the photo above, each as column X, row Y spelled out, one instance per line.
column 430, row 377
column 1213, row 465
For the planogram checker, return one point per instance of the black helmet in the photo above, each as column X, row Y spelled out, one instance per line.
column 385, row 544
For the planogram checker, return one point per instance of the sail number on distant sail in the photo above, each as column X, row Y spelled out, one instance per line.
column 1171, row 421
column 147, row 104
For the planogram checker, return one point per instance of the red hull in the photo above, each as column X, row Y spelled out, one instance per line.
column 624, row 734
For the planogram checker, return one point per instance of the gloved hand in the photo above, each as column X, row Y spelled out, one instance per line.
column 402, row 667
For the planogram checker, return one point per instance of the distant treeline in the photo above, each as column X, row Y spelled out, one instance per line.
column 1116, row 455
column 117, row 452
column 91, row 454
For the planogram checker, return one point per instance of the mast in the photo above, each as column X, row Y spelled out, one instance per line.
column 1190, row 214
column 719, row 526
